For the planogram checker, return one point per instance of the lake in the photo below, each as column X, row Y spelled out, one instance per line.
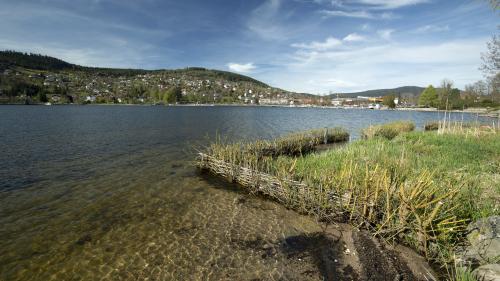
column 111, row 193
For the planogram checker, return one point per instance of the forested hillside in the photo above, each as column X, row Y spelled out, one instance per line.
column 34, row 78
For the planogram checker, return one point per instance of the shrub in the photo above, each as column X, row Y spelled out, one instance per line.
column 388, row 131
column 431, row 126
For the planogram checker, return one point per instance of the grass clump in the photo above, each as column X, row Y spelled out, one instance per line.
column 242, row 153
column 419, row 188
column 301, row 143
column 388, row 131
column 431, row 126
column 462, row 274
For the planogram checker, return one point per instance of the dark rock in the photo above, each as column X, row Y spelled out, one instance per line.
column 489, row 272
column 484, row 240
column 84, row 239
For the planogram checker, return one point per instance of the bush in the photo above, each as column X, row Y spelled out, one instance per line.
column 388, row 131
column 431, row 126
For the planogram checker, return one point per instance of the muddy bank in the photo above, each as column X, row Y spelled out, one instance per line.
column 341, row 252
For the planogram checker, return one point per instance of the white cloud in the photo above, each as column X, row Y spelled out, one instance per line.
column 360, row 14
column 265, row 21
column 385, row 33
column 372, row 4
column 453, row 53
column 391, row 4
column 388, row 16
column 329, row 43
column 351, row 14
column 243, row 68
column 431, row 28
column 384, row 66
column 335, row 82
column 354, row 37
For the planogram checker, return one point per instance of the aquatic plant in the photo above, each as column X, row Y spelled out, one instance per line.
column 419, row 188
column 431, row 126
column 388, row 130
column 292, row 145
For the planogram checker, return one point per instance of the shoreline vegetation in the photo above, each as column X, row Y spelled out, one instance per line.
column 481, row 111
column 418, row 188
column 37, row 79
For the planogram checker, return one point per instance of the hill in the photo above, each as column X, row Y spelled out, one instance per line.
column 10, row 59
column 406, row 91
column 32, row 78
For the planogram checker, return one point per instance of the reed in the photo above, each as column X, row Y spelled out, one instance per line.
column 419, row 188
column 296, row 144
column 431, row 126
column 388, row 130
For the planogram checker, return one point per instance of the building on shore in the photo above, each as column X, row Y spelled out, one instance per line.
column 277, row 101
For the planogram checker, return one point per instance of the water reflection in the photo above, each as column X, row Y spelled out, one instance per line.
column 91, row 192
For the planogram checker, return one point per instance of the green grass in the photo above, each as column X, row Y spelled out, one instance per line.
column 431, row 126
column 292, row 145
column 419, row 188
column 462, row 274
column 456, row 178
column 388, row 130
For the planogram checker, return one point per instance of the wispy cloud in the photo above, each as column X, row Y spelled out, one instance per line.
column 361, row 14
column 371, row 4
column 395, row 64
column 431, row 28
column 243, row 68
column 390, row 4
column 329, row 43
column 265, row 21
column 354, row 37
column 352, row 14
column 385, row 34
column 339, row 45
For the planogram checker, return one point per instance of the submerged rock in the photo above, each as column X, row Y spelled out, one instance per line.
column 489, row 272
column 484, row 239
column 87, row 238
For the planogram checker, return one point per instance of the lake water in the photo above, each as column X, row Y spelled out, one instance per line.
column 110, row 192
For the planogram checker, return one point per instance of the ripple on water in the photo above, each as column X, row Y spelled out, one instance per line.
column 108, row 193
column 172, row 227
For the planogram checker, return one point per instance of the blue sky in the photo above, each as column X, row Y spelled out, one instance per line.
column 314, row 46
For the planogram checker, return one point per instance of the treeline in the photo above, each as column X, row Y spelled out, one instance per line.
column 448, row 97
column 12, row 89
column 42, row 62
column 174, row 95
column 483, row 93
column 216, row 75
column 32, row 61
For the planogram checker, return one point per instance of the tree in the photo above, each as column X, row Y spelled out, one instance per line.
column 429, row 97
column 177, row 93
column 444, row 94
column 495, row 4
column 455, row 101
column 42, row 96
column 389, row 101
column 168, row 98
column 491, row 59
column 495, row 87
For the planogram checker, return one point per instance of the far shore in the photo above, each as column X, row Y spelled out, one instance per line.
column 482, row 111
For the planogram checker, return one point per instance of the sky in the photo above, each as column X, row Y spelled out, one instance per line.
column 313, row 46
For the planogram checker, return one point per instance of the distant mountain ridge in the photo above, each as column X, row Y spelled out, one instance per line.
column 9, row 59
column 405, row 90
column 33, row 78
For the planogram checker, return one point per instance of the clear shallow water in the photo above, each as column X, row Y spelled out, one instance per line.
column 105, row 192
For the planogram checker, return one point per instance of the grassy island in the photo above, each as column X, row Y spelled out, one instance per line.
column 414, row 187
